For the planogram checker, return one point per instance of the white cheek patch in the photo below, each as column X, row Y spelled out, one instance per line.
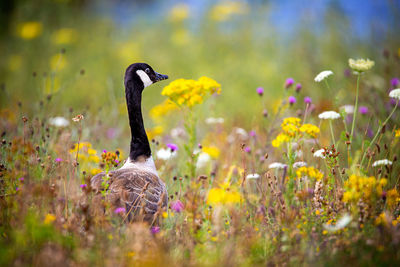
column 144, row 77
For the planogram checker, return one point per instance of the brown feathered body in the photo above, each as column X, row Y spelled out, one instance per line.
column 141, row 193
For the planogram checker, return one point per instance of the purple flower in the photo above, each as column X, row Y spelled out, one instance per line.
column 177, row 206
column 307, row 100
column 116, row 161
column 247, row 149
column 347, row 73
column 155, row 229
column 298, row 87
column 119, row 210
column 17, row 188
column 252, row 133
column 58, row 159
column 260, row 91
column 83, row 186
column 265, row 113
column 22, row 179
column 173, row 147
column 395, row 82
column 292, row 100
column 289, row 82
column 199, row 146
column 363, row 110
column 104, row 151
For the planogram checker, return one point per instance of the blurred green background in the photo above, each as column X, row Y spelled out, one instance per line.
column 76, row 51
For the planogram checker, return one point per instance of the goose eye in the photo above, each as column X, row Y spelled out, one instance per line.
column 147, row 70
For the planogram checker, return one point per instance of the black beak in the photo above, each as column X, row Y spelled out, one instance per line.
column 160, row 77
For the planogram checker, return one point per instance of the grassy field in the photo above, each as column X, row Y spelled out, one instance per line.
column 291, row 158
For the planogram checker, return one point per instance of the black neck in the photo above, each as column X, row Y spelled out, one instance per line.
column 139, row 143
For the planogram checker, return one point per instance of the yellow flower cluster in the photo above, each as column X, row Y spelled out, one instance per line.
column 224, row 11
column 49, row 218
column 223, row 195
column 212, row 151
column 64, row 36
column 392, row 198
column 86, row 152
column 29, row 30
column 292, row 128
column 361, row 187
column 191, row 92
column 162, row 109
column 310, row 172
column 110, row 158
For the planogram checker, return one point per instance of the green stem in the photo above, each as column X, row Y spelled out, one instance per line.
column 377, row 133
column 333, row 136
column 355, row 110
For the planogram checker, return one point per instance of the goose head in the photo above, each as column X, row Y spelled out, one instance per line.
column 142, row 75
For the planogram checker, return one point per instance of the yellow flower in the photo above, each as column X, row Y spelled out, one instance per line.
column 281, row 138
column 29, row 30
column 362, row 187
column 392, row 198
column 397, row 133
column 361, row 65
column 95, row 171
column 156, row 131
column 64, row 36
column 163, row 109
column 58, row 62
column 212, row 151
column 310, row 172
column 191, row 92
column 130, row 254
column 179, row 13
column 49, row 218
column 223, row 196
column 225, row 11
column 310, row 129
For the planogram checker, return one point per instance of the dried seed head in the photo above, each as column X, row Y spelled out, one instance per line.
column 24, row 119
column 266, row 156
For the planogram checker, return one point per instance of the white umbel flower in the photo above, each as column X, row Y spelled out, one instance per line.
column 58, row 122
column 165, row 154
column 329, row 115
column 299, row 164
column 253, row 176
column 361, row 65
column 203, row 160
column 277, row 165
column 395, row 93
column 341, row 223
column 323, row 75
column 382, row 162
column 349, row 109
column 318, row 154
column 212, row 120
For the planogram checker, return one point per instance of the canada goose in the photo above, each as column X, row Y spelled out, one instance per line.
column 136, row 186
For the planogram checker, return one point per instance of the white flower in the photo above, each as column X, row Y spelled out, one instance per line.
column 318, row 154
column 299, row 164
column 253, row 176
column 59, row 122
column 382, row 162
column 212, row 120
column 322, row 75
column 329, row 115
column 395, row 93
column 277, row 165
column 361, row 65
column 242, row 133
column 165, row 154
column 349, row 109
column 202, row 160
column 340, row 224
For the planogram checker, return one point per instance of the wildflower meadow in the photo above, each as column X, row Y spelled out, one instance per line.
column 278, row 143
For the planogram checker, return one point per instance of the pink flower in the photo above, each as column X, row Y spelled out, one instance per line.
column 289, row 82
column 58, row 159
column 307, row 100
column 260, row 91
column 363, row 110
column 292, row 100
column 172, row 146
column 104, row 151
column 298, row 87
column 119, row 210
column 247, row 149
column 252, row 133
column 155, row 229
column 177, row 206
column 395, row 82
column 83, row 186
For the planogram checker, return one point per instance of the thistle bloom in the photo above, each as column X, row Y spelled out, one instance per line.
column 298, row 87
column 363, row 110
column 292, row 100
column 119, row 210
column 361, row 65
column 395, row 93
column 173, row 147
column 323, row 75
column 252, row 133
column 58, row 159
column 155, row 229
column 83, row 186
column 395, row 82
column 260, row 91
column 177, row 206
column 329, row 115
column 289, row 82
column 307, row 100
column 247, row 149
column 277, row 165
column 382, row 162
